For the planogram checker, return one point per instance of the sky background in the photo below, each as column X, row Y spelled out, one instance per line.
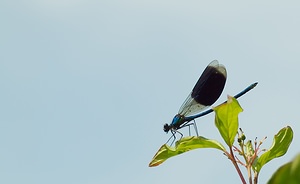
column 86, row 86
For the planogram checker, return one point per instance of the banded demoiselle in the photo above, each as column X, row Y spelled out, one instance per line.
column 206, row 91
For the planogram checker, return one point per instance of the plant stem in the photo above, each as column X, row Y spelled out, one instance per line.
column 232, row 158
column 249, row 174
column 255, row 177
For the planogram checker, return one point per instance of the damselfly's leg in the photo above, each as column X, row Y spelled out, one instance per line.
column 196, row 129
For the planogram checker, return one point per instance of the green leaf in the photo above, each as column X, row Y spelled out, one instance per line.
column 249, row 151
column 281, row 143
column 288, row 173
column 183, row 145
column 226, row 119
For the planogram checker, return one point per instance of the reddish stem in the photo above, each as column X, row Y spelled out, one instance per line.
column 232, row 158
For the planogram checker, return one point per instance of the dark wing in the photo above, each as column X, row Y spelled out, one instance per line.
column 206, row 91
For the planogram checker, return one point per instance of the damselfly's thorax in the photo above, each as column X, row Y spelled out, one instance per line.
column 177, row 121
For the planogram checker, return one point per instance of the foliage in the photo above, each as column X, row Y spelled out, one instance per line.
column 226, row 121
column 288, row 173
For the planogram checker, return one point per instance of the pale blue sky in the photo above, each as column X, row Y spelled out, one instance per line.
column 86, row 86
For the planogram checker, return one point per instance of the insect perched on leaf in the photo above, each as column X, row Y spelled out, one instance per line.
column 206, row 91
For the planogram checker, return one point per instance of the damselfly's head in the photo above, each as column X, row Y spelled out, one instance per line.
column 166, row 128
